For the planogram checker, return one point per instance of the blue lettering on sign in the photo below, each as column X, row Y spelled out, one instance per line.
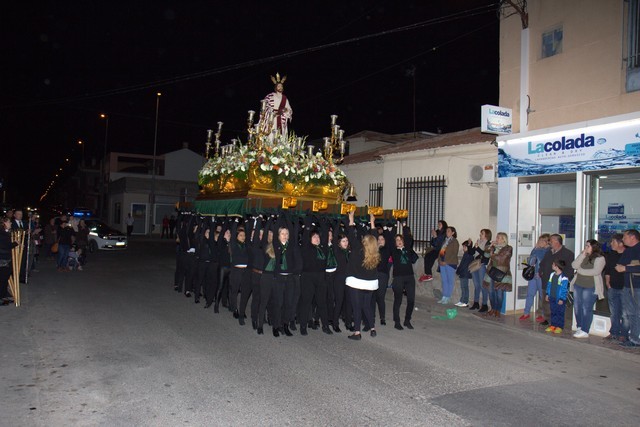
column 499, row 113
column 562, row 144
column 632, row 149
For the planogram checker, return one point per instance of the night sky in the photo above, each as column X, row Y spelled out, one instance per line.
column 65, row 62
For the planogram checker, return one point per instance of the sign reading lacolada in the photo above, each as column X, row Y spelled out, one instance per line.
column 496, row 120
column 602, row 147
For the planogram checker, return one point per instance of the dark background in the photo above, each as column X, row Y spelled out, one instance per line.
column 65, row 62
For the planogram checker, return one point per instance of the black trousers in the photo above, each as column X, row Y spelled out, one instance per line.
column 342, row 306
column 429, row 259
column 185, row 271
column 250, row 286
column 361, row 304
column 378, row 296
column 208, row 279
column 400, row 284
column 223, row 285
column 5, row 273
column 291, row 284
column 331, row 303
column 238, row 280
column 312, row 286
column 272, row 295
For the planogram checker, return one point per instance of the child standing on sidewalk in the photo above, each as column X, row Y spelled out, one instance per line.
column 557, row 296
column 464, row 274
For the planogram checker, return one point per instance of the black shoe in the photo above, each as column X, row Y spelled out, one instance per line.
column 337, row 329
column 475, row 306
column 373, row 333
column 383, row 322
column 241, row 320
column 544, row 323
column 260, row 331
column 398, row 326
column 316, row 323
column 356, row 337
column 197, row 301
column 216, row 308
column 287, row 332
column 292, row 325
column 176, row 288
column 235, row 314
column 303, row 330
column 483, row 309
column 326, row 330
column 187, row 294
column 366, row 329
column 313, row 325
column 208, row 304
column 254, row 324
column 350, row 328
column 408, row 324
column 276, row 333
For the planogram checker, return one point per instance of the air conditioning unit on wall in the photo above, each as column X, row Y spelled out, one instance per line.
column 482, row 174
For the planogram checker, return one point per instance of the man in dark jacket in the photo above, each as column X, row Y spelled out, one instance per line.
column 557, row 252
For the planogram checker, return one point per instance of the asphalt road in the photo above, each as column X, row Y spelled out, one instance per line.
column 114, row 345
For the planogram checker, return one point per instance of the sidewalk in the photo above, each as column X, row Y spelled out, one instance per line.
column 427, row 295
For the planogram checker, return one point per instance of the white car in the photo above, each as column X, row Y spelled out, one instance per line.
column 103, row 237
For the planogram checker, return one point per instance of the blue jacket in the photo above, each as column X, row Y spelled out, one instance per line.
column 562, row 288
column 536, row 256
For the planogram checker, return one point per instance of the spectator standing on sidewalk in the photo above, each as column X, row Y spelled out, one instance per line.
column 172, row 226
column 535, row 285
column 448, row 262
column 82, row 239
column 463, row 273
column 437, row 239
column 629, row 264
column 65, row 240
column 615, row 290
column 479, row 250
column 587, row 285
column 558, row 251
column 165, row 227
column 556, row 296
column 50, row 237
column 6, row 246
column 129, row 222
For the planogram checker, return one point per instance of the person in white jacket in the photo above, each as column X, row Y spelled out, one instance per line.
column 587, row 285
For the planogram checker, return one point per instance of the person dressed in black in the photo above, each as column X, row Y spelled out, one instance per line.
column 66, row 235
column 255, row 267
column 313, row 285
column 239, row 279
column 172, row 226
column 207, row 262
column 330, row 272
column 283, row 294
column 362, row 276
column 403, row 278
column 186, row 265
column 269, row 292
column 224, row 271
column 437, row 239
column 6, row 246
column 341, row 252
column 385, row 240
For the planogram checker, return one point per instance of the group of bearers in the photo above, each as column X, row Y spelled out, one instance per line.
column 307, row 270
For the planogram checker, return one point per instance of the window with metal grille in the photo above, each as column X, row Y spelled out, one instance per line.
column 424, row 198
column 633, row 47
column 552, row 42
column 375, row 194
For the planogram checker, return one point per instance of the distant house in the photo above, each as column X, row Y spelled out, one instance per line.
column 132, row 186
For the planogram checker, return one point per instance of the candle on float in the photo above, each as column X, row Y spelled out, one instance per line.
column 333, row 119
column 209, row 134
column 310, row 149
column 342, row 146
column 251, row 114
column 220, row 126
column 341, row 134
column 327, row 143
column 263, row 105
column 336, row 128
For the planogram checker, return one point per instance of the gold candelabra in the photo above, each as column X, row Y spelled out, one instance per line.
column 335, row 142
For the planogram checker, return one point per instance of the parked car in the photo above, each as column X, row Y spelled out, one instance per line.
column 103, row 237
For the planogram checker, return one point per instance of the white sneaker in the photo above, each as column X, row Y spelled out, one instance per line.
column 580, row 334
column 461, row 304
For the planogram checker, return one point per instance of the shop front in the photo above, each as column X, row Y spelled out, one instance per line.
column 581, row 181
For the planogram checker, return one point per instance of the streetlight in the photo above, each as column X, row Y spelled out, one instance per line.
column 101, row 203
column 153, row 165
column 82, row 144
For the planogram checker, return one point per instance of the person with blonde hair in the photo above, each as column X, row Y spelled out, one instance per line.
column 362, row 277
column 500, row 280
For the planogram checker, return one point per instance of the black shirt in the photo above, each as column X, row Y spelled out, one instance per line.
column 616, row 279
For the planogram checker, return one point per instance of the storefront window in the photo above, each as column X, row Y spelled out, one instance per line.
column 613, row 206
column 558, row 210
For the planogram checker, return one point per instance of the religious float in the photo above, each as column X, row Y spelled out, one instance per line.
column 276, row 169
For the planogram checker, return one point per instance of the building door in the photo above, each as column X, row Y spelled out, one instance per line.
column 139, row 214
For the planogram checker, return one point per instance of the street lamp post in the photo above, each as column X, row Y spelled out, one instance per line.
column 153, row 166
column 82, row 144
column 103, row 182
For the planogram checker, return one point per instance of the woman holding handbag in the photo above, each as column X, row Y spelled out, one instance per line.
column 448, row 261
column 587, row 285
column 498, row 277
